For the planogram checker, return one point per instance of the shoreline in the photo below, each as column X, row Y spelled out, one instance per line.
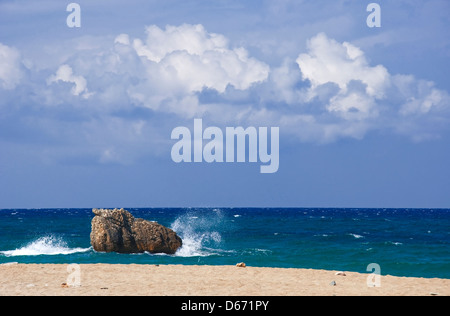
column 203, row 280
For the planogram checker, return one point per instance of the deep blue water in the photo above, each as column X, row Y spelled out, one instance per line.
column 404, row 242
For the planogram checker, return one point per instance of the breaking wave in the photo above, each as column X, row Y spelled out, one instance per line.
column 47, row 245
column 200, row 232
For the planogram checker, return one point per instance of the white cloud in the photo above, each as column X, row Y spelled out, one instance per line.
column 65, row 74
column 283, row 81
column 10, row 67
column 193, row 39
column 353, row 106
column 123, row 39
column 191, row 58
column 421, row 97
column 366, row 97
column 140, row 88
column 329, row 61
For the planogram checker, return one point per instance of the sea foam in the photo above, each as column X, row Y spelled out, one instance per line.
column 47, row 245
column 199, row 233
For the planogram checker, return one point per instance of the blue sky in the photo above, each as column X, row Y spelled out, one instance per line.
column 86, row 113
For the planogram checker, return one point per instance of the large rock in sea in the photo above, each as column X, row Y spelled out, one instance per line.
column 118, row 231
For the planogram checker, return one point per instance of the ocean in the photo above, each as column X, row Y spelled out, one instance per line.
column 402, row 242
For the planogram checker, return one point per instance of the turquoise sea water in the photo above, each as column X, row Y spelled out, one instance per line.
column 403, row 242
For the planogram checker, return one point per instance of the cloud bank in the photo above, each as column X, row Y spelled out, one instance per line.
column 137, row 89
column 369, row 96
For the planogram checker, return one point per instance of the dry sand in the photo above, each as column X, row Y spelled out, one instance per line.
column 180, row 280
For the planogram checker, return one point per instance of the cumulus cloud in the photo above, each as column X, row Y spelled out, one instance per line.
column 330, row 61
column 65, row 74
column 10, row 67
column 345, row 65
column 137, row 83
column 168, row 69
column 197, row 59
column 193, row 39
column 126, row 93
column 362, row 97
column 421, row 96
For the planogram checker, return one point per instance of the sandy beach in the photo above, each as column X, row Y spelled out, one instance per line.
column 181, row 280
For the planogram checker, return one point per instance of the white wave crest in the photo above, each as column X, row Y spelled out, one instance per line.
column 356, row 236
column 48, row 245
column 199, row 234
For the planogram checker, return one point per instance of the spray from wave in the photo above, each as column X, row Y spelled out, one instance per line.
column 200, row 232
column 47, row 245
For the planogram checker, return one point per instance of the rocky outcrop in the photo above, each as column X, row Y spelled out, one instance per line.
column 118, row 231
